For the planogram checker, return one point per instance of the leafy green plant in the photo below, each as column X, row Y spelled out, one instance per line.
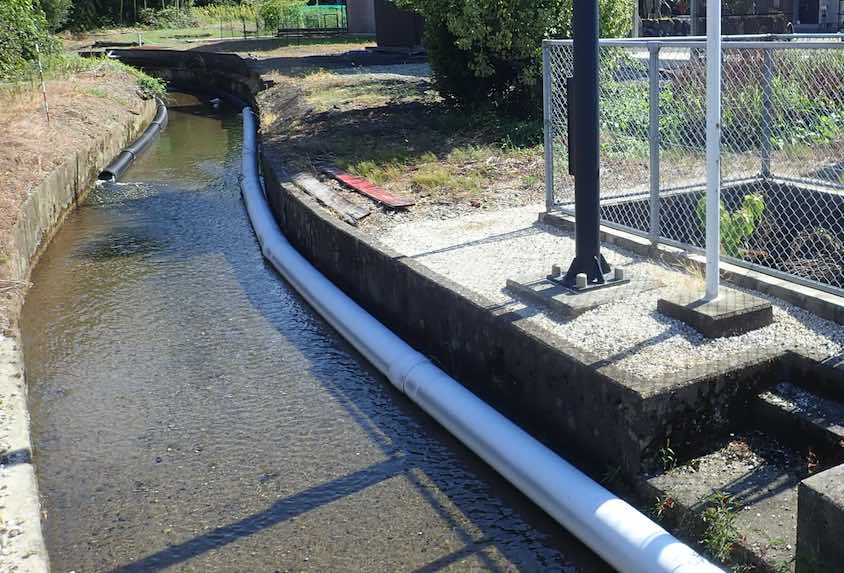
column 169, row 17
column 721, row 533
column 667, row 456
column 662, row 506
column 55, row 11
column 736, row 226
column 149, row 86
column 490, row 51
column 282, row 13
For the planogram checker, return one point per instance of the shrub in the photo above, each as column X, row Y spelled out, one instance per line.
column 281, row 13
column 91, row 14
column 23, row 26
column 170, row 17
column 490, row 50
column 806, row 94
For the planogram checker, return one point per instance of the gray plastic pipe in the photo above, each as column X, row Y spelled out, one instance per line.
column 614, row 529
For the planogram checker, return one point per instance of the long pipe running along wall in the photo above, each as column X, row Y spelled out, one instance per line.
column 122, row 162
column 611, row 527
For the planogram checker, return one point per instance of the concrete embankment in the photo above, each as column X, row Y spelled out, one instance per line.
column 47, row 203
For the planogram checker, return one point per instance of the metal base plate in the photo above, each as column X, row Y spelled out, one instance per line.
column 609, row 281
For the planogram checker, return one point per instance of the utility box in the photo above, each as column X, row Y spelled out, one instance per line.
column 397, row 29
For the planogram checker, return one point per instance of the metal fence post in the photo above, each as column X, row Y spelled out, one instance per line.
column 547, row 127
column 713, row 149
column 767, row 116
column 653, row 137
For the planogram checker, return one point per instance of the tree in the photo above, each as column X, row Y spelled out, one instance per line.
column 23, row 32
column 55, row 12
column 491, row 50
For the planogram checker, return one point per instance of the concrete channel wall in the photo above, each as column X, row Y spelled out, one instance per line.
column 196, row 71
column 42, row 214
column 561, row 394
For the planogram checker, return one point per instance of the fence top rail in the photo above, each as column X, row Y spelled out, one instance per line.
column 789, row 41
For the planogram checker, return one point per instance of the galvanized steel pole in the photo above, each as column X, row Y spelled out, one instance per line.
column 587, row 177
column 653, row 135
column 713, row 147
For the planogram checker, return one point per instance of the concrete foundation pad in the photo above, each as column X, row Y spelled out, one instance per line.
column 570, row 304
column 820, row 522
column 733, row 312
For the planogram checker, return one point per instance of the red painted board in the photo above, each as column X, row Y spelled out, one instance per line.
column 365, row 187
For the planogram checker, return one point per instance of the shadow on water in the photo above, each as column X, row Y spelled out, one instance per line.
column 281, row 510
column 189, row 222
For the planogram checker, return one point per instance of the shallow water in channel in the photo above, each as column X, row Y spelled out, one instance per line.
column 191, row 413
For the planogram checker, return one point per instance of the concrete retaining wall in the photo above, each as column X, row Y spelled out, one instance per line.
column 42, row 213
column 64, row 187
column 197, row 71
column 820, row 522
column 563, row 395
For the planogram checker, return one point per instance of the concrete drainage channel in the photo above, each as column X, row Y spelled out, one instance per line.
column 562, row 386
column 608, row 525
column 615, row 530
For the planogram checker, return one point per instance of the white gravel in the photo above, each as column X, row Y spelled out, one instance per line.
column 391, row 71
column 481, row 251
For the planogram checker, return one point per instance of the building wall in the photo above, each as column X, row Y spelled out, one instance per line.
column 360, row 15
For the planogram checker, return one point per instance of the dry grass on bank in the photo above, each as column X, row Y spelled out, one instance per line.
column 82, row 105
column 393, row 128
column 207, row 37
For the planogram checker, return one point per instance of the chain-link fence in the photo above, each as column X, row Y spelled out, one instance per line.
column 782, row 153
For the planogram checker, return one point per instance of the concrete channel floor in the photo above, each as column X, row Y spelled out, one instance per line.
column 761, row 477
column 482, row 251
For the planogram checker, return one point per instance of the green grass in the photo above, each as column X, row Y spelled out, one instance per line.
column 400, row 134
column 441, row 178
column 65, row 64
column 186, row 37
column 378, row 172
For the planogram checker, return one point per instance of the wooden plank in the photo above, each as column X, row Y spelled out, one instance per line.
column 330, row 198
column 365, row 187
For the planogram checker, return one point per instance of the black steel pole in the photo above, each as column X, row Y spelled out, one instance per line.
column 587, row 176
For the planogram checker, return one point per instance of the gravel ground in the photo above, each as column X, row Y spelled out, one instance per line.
column 481, row 251
column 387, row 72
